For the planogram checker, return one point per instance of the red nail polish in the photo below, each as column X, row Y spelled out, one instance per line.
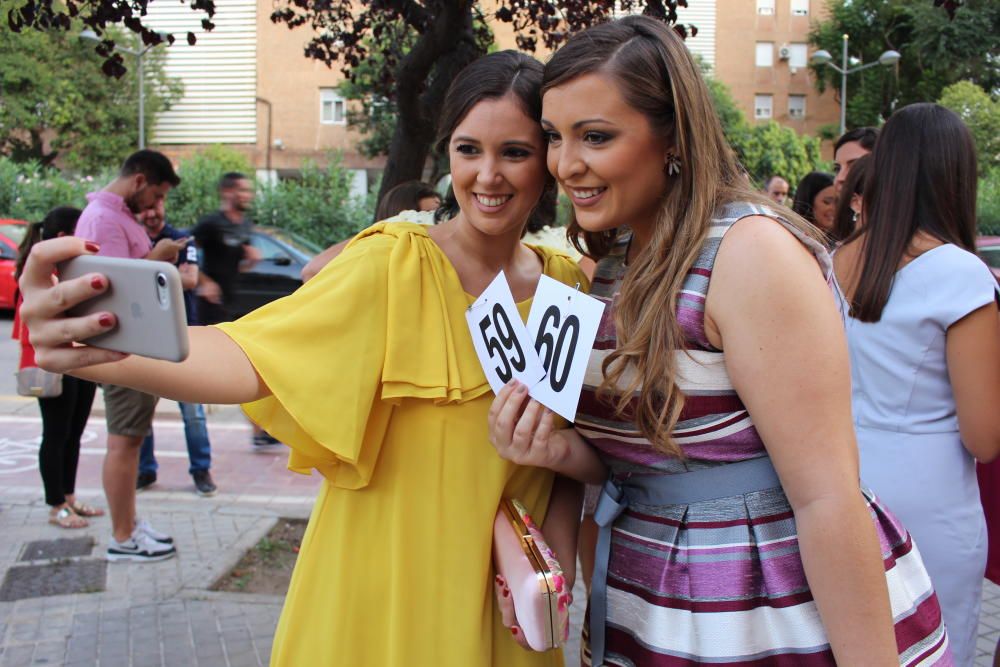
column 506, row 592
column 96, row 282
column 91, row 246
column 105, row 320
column 513, row 631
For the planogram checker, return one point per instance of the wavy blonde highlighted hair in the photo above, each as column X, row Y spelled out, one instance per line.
column 657, row 76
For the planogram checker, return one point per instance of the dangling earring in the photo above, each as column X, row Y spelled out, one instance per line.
column 672, row 163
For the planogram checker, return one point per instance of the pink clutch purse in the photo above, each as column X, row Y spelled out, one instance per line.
column 533, row 575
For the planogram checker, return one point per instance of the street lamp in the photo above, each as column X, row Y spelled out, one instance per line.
column 823, row 57
column 92, row 36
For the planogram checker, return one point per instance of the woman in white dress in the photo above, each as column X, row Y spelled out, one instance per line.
column 924, row 337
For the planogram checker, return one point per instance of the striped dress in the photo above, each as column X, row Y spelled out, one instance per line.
column 721, row 582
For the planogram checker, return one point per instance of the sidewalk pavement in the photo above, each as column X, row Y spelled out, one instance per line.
column 163, row 614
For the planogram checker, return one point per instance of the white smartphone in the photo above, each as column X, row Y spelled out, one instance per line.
column 146, row 298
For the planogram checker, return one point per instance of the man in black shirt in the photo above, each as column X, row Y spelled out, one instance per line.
column 224, row 238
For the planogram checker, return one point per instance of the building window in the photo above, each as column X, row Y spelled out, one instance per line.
column 798, row 55
column 331, row 107
column 765, row 7
column 765, row 54
column 800, row 7
column 762, row 106
column 797, row 106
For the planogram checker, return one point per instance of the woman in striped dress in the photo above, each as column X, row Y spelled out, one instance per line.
column 717, row 399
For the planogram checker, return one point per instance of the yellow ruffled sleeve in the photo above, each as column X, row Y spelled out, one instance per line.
column 321, row 352
column 383, row 322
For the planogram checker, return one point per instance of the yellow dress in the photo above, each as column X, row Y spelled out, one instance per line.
column 376, row 385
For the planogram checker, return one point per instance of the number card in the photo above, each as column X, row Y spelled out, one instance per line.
column 504, row 347
column 563, row 322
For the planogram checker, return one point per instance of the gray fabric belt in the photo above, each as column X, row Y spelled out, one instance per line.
column 724, row 481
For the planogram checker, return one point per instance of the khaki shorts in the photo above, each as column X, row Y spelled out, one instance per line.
column 127, row 411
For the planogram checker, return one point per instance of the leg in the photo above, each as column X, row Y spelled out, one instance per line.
column 52, row 452
column 196, row 434
column 147, row 459
column 84, row 399
column 130, row 417
column 120, row 465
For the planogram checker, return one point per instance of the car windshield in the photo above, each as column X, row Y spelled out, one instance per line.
column 303, row 246
column 14, row 232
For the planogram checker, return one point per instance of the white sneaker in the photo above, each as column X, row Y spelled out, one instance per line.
column 144, row 527
column 139, row 548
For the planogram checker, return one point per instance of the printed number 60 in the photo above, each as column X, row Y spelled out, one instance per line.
column 505, row 340
column 553, row 357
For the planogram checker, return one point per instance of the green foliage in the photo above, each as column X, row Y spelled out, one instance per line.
column 764, row 149
column 57, row 104
column 317, row 206
column 28, row 191
column 936, row 52
column 982, row 114
column 376, row 117
column 988, row 202
column 373, row 88
column 198, row 192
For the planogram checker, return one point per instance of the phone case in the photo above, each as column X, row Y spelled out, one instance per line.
column 523, row 558
column 147, row 299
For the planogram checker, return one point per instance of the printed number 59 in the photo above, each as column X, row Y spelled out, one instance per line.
column 504, row 343
column 553, row 359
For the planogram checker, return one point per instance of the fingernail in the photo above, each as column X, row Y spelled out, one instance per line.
column 506, row 592
column 96, row 282
column 91, row 246
column 513, row 631
column 520, row 388
column 105, row 320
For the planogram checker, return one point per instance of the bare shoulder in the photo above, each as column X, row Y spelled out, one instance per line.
column 757, row 247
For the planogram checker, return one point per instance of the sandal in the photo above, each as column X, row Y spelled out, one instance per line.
column 83, row 509
column 66, row 518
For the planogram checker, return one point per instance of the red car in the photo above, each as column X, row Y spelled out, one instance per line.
column 11, row 233
column 989, row 250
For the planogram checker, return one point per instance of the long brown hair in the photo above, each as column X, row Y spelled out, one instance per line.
column 656, row 75
column 922, row 179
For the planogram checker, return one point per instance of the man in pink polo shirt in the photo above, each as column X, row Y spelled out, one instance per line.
column 110, row 221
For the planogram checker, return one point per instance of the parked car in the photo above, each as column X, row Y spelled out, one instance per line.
column 989, row 250
column 277, row 274
column 11, row 234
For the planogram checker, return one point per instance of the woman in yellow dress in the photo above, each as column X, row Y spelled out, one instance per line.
column 369, row 374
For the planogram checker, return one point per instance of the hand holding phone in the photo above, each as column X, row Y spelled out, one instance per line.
column 147, row 301
column 166, row 250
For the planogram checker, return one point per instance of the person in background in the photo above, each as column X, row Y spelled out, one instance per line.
column 850, row 203
column 64, row 416
column 776, row 189
column 407, row 196
column 195, row 433
column 110, row 226
column 849, row 147
column 224, row 239
column 816, row 200
column 924, row 338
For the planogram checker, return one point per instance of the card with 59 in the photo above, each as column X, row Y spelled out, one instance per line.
column 502, row 343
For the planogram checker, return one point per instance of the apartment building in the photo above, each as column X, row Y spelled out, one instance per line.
column 762, row 53
column 248, row 85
